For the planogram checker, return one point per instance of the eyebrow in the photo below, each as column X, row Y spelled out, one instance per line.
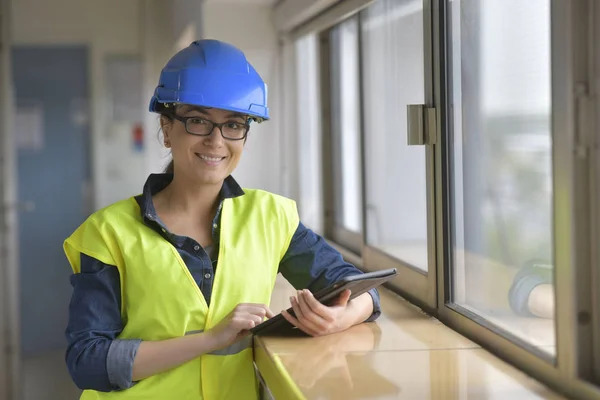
column 203, row 110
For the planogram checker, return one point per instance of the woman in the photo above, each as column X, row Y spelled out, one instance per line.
column 167, row 284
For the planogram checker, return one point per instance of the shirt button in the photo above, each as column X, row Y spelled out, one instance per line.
column 196, row 247
column 207, row 276
column 215, row 226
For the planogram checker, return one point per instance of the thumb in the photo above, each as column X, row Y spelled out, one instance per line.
column 342, row 299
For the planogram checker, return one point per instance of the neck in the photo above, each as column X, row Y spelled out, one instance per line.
column 195, row 200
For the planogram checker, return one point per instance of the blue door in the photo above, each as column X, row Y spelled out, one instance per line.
column 51, row 90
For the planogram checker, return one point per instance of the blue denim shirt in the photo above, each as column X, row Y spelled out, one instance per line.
column 532, row 274
column 97, row 360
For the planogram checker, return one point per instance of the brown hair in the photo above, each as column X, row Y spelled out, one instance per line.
column 170, row 167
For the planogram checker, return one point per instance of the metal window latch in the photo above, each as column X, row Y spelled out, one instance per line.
column 422, row 128
column 584, row 136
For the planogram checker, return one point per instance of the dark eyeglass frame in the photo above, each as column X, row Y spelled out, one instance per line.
column 184, row 120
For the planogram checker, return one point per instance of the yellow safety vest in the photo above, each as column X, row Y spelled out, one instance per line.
column 161, row 300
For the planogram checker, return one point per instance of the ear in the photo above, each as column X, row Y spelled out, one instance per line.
column 165, row 126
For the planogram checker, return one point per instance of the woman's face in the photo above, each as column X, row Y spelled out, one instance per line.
column 204, row 159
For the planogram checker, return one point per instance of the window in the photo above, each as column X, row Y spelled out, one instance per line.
column 394, row 77
column 344, row 155
column 379, row 202
column 501, row 165
column 308, row 134
column 493, row 223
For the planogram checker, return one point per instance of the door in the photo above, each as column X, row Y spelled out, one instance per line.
column 52, row 141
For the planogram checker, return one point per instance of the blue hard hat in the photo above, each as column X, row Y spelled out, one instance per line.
column 214, row 74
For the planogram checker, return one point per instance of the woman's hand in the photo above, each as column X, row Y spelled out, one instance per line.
column 234, row 326
column 316, row 319
column 154, row 357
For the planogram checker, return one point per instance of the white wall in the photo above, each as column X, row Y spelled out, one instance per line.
column 250, row 27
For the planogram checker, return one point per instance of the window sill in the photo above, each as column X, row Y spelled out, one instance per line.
column 405, row 354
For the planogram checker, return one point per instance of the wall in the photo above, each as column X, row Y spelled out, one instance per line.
column 154, row 30
column 250, row 27
column 186, row 21
column 289, row 14
column 158, row 47
column 9, row 316
column 168, row 27
column 109, row 27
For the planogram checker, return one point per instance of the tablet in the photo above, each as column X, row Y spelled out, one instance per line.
column 358, row 284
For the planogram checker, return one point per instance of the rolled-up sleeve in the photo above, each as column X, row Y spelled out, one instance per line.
column 533, row 274
column 95, row 358
column 310, row 262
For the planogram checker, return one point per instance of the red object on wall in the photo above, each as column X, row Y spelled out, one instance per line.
column 138, row 137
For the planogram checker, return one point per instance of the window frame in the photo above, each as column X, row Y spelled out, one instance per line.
column 594, row 52
column 417, row 285
column 413, row 283
column 334, row 231
column 10, row 357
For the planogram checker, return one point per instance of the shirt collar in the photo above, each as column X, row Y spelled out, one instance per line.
column 157, row 182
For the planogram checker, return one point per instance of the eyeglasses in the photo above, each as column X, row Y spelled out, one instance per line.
column 200, row 126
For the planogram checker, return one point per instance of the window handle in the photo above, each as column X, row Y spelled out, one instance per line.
column 421, row 125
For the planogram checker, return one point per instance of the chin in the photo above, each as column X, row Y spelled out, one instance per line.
column 210, row 178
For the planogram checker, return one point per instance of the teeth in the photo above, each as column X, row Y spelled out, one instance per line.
column 210, row 158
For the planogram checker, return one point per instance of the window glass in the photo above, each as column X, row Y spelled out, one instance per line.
column 308, row 152
column 393, row 77
column 345, row 124
column 501, row 161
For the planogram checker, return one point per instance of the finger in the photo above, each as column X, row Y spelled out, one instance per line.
column 316, row 306
column 245, row 306
column 310, row 315
column 306, row 316
column 259, row 310
column 294, row 321
column 270, row 314
column 256, row 319
column 295, row 307
column 342, row 299
column 240, row 323
column 297, row 319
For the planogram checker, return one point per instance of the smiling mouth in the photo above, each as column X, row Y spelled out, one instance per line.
column 211, row 159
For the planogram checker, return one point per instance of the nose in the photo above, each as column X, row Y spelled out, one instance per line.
column 215, row 139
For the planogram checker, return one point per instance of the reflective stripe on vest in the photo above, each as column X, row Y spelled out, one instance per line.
column 161, row 300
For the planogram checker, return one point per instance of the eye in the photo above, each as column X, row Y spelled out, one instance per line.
column 234, row 125
column 196, row 121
